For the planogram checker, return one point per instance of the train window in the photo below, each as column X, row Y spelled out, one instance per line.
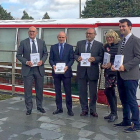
column 74, row 35
column 23, row 34
column 50, row 36
column 7, row 42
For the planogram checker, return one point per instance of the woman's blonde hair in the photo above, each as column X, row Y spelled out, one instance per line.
column 112, row 33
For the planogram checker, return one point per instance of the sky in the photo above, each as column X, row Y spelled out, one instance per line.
column 56, row 9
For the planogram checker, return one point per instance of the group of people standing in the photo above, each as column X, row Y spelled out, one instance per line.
column 126, row 78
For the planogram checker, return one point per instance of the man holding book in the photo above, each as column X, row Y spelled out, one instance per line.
column 128, row 76
column 61, row 59
column 88, row 74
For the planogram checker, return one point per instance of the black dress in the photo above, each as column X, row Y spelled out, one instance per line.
column 110, row 79
column 110, row 76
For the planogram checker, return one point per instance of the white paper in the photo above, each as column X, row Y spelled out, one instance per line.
column 85, row 57
column 118, row 61
column 60, row 68
column 106, row 58
column 35, row 58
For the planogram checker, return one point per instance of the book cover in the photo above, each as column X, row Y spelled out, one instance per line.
column 118, row 61
column 60, row 68
column 106, row 58
column 85, row 57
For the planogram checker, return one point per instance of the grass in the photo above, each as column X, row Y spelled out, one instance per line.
column 5, row 96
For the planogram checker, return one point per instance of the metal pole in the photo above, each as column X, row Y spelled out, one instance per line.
column 79, row 8
column 13, row 73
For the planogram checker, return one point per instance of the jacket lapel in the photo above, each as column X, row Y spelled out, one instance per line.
column 83, row 47
column 28, row 45
column 39, row 49
column 128, row 42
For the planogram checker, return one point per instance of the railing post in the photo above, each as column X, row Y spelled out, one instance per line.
column 13, row 73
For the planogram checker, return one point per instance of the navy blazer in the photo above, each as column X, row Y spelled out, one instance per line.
column 67, row 57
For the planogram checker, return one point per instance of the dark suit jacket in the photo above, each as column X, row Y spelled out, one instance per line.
column 23, row 55
column 131, row 52
column 97, row 52
column 67, row 57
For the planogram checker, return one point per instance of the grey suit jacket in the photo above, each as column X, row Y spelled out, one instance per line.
column 131, row 52
column 97, row 52
column 23, row 55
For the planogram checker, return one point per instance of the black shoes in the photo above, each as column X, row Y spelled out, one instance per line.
column 113, row 118
column 58, row 111
column 41, row 110
column 107, row 117
column 93, row 114
column 84, row 113
column 122, row 124
column 28, row 112
column 70, row 113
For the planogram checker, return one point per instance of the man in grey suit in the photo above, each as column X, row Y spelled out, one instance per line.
column 29, row 73
column 128, row 76
column 89, row 75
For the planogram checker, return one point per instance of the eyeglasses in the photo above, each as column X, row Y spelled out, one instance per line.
column 89, row 33
column 31, row 31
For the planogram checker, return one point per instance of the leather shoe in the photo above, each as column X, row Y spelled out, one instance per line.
column 70, row 113
column 41, row 110
column 84, row 113
column 94, row 114
column 107, row 117
column 113, row 118
column 58, row 111
column 122, row 124
column 28, row 112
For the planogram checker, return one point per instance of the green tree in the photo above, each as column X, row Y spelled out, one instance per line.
column 4, row 15
column 26, row 16
column 46, row 16
column 111, row 8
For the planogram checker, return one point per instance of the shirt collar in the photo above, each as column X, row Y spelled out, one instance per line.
column 90, row 41
column 127, row 37
column 62, row 44
column 32, row 39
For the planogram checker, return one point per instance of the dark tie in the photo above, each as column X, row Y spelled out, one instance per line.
column 61, row 51
column 34, row 47
column 123, row 44
column 88, row 47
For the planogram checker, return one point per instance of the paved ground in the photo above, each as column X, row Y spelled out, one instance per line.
column 15, row 125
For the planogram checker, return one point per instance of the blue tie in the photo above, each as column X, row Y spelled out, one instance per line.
column 61, row 51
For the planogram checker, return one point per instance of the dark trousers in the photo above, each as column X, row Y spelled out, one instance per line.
column 34, row 75
column 84, row 83
column 127, row 92
column 67, row 87
column 112, row 99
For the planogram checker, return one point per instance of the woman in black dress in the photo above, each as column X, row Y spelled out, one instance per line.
column 111, row 47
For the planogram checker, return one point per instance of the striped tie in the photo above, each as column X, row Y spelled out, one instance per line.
column 123, row 44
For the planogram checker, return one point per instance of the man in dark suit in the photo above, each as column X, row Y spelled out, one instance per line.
column 89, row 75
column 62, row 53
column 128, row 76
column 29, row 73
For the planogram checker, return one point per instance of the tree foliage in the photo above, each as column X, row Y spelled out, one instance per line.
column 46, row 16
column 111, row 8
column 26, row 16
column 4, row 15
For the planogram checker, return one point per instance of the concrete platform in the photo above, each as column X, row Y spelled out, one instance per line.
column 16, row 125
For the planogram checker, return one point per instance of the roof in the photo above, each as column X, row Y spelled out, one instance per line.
column 134, row 20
